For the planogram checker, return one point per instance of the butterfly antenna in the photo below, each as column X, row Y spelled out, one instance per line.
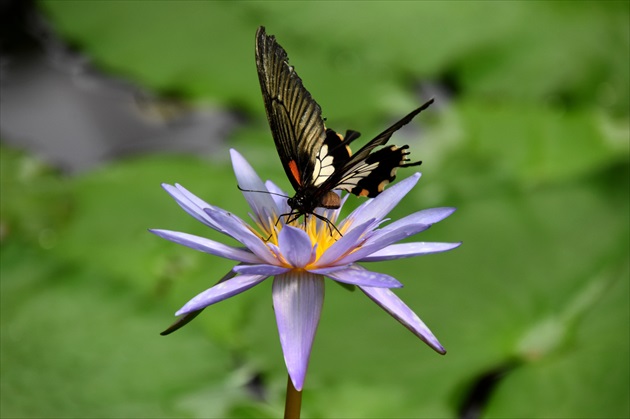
column 267, row 192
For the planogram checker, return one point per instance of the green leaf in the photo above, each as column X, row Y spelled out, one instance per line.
column 480, row 149
column 36, row 203
column 589, row 375
column 527, row 259
column 79, row 343
column 349, row 57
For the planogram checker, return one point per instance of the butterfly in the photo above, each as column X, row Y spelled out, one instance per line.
column 316, row 159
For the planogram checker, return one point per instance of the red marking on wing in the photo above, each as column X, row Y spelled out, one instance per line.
column 295, row 172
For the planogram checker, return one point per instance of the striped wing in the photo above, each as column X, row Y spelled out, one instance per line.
column 367, row 172
column 294, row 117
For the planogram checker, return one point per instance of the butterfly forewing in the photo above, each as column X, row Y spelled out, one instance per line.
column 330, row 158
column 294, row 117
column 384, row 136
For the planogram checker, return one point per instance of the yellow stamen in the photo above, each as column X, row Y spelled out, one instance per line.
column 322, row 234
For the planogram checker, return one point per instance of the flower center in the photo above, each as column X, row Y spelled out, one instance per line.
column 322, row 231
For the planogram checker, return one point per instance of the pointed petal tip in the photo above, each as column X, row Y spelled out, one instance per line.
column 181, row 311
column 157, row 231
column 297, row 380
column 450, row 210
column 235, row 154
column 239, row 163
column 438, row 348
column 432, row 342
column 413, row 179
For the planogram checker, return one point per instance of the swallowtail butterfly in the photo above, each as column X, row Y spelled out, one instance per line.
column 318, row 160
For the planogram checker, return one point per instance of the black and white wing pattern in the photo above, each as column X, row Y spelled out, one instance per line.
column 318, row 160
column 294, row 117
column 367, row 172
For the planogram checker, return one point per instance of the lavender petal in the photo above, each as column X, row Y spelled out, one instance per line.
column 267, row 270
column 297, row 300
column 281, row 201
column 380, row 206
column 426, row 217
column 191, row 204
column 236, row 228
column 407, row 250
column 356, row 275
column 207, row 246
column 401, row 312
column 345, row 244
column 381, row 239
column 220, row 292
column 261, row 202
column 296, row 246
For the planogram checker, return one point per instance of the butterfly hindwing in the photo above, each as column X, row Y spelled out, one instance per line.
column 367, row 172
column 370, row 176
column 294, row 117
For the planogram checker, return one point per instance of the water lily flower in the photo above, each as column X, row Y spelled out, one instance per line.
column 299, row 255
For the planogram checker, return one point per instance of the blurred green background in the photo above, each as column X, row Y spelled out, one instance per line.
column 529, row 139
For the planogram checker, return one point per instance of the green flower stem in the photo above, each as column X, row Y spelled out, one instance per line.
column 293, row 402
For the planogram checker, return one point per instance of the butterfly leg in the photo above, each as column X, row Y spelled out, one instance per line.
column 328, row 224
column 291, row 216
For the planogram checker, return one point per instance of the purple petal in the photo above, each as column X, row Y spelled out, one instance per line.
column 260, row 201
column 345, row 244
column 357, row 275
column 236, row 228
column 221, row 291
column 398, row 230
column 191, row 204
column 275, row 250
column 296, row 246
column 281, row 201
column 207, row 246
column 426, row 217
column 297, row 302
column 380, row 206
column 407, row 250
column 381, row 239
column 194, row 199
column 399, row 310
column 267, row 270
column 327, row 270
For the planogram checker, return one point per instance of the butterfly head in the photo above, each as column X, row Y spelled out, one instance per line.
column 306, row 200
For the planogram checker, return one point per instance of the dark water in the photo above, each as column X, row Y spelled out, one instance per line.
column 55, row 104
